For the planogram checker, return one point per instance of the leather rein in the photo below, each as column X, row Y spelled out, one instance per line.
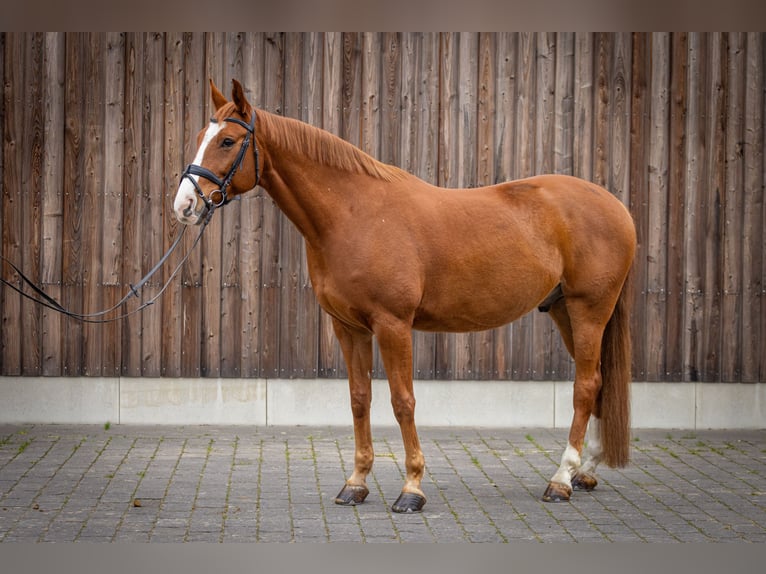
column 211, row 204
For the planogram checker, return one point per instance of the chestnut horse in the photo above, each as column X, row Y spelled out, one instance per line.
column 388, row 253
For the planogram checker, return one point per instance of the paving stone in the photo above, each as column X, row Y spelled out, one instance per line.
column 228, row 484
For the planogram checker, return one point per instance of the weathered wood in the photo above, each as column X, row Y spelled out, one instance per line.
column 132, row 202
column 196, row 96
column 639, row 146
column 251, row 229
column 53, row 183
column 694, row 219
column 113, row 169
column 230, row 331
column 12, row 206
column 733, row 210
column 31, row 198
column 676, row 207
column 714, row 189
column 173, row 342
column 151, row 199
column 72, row 276
column 657, row 180
column 754, row 183
column 97, row 128
column 93, row 198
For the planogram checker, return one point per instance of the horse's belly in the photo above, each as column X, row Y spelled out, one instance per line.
column 480, row 307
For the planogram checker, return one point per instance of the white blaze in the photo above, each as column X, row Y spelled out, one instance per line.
column 187, row 195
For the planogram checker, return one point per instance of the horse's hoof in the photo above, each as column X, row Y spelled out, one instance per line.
column 351, row 495
column 584, row 481
column 409, row 502
column 557, row 492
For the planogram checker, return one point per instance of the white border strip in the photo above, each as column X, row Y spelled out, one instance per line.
column 265, row 402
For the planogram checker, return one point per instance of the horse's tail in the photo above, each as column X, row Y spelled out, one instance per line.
column 614, row 399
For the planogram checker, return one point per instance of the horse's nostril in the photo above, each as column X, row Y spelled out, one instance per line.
column 189, row 211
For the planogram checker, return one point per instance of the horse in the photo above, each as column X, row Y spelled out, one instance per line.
column 388, row 253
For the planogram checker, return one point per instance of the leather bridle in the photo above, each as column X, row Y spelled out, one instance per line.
column 219, row 197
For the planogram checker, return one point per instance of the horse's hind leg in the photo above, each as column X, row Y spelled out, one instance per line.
column 582, row 330
column 584, row 477
column 357, row 351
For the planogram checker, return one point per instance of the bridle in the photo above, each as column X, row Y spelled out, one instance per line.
column 192, row 169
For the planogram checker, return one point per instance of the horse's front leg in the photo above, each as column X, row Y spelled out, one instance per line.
column 395, row 343
column 357, row 352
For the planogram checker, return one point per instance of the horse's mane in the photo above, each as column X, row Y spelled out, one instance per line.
column 324, row 147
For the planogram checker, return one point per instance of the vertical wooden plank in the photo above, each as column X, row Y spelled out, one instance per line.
column 352, row 87
column 619, row 153
column 561, row 365
column 273, row 100
column 391, row 98
column 132, row 202
column 694, row 218
column 290, row 238
column 92, row 195
column 733, row 214
column 324, row 64
column 583, row 106
column 639, row 146
column 420, row 147
column 678, row 103
column 53, row 96
column 93, row 200
column 714, row 186
column 505, row 160
column 173, row 342
column 657, row 206
column 447, row 175
column 212, row 272
column 467, row 357
column 484, row 342
column 3, row 291
column 544, row 331
column 111, row 231
column 12, row 206
column 523, row 329
column 72, row 296
column 251, row 224
column 604, row 52
column 195, row 118
column 753, row 361
column 326, row 102
column 563, row 152
column 230, row 327
column 32, row 150
column 151, row 212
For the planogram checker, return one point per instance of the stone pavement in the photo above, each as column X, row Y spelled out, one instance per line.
column 83, row 483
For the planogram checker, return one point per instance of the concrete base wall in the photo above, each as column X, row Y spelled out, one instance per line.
column 263, row 402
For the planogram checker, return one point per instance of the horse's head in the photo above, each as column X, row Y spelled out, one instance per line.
column 224, row 167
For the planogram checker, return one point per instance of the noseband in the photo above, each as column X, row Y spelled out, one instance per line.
column 193, row 169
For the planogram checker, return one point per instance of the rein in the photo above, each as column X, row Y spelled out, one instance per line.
column 47, row 301
column 211, row 204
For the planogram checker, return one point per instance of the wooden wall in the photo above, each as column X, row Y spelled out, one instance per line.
column 97, row 127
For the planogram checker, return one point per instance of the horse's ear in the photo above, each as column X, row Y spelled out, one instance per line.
column 219, row 100
column 240, row 101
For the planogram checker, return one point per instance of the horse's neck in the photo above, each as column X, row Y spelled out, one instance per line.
column 312, row 195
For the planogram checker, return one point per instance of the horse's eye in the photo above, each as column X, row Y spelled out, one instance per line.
column 227, row 143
